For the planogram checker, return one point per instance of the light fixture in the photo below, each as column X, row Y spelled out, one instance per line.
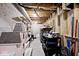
column 34, row 15
column 35, row 22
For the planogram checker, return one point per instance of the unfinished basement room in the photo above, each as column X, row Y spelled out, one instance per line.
column 39, row 29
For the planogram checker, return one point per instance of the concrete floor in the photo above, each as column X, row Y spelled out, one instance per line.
column 37, row 48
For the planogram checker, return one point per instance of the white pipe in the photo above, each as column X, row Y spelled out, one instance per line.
column 26, row 14
column 23, row 11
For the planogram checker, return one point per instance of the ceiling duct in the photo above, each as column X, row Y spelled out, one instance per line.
column 24, row 12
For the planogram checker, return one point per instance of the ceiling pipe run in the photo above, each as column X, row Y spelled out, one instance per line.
column 24, row 12
column 30, row 6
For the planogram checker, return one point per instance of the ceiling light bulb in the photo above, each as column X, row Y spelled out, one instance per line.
column 34, row 15
column 35, row 22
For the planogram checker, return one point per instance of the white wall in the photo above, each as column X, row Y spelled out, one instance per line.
column 36, row 28
column 7, row 12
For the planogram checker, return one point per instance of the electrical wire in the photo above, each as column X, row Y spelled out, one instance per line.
column 36, row 13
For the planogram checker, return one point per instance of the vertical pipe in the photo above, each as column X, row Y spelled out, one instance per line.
column 76, row 27
column 72, row 32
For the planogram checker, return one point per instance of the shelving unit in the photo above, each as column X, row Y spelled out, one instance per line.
column 66, row 23
column 25, row 42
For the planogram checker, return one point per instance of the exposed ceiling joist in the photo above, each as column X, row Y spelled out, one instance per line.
column 39, row 18
column 42, row 10
column 40, row 6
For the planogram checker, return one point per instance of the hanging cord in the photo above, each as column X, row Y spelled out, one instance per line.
column 36, row 13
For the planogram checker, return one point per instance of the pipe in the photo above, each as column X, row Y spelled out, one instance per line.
column 24, row 12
